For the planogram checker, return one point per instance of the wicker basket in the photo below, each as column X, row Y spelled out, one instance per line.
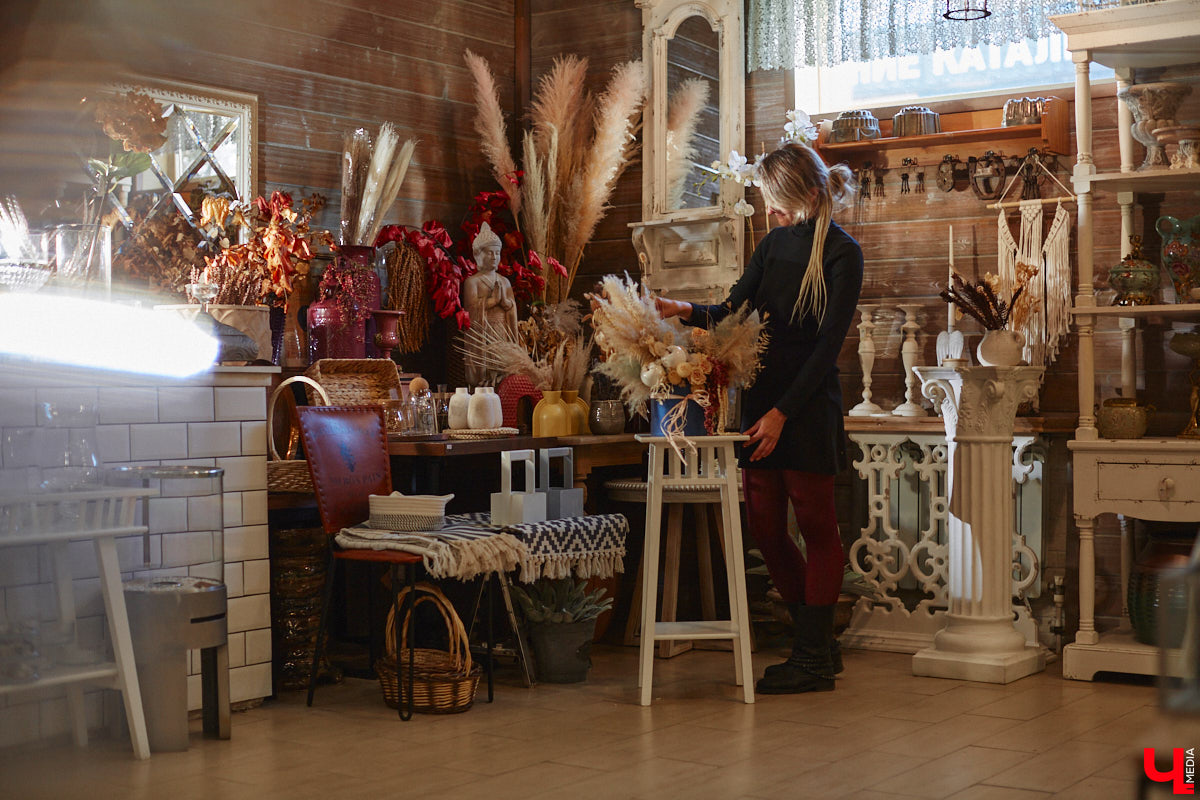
column 355, row 381
column 283, row 474
column 443, row 682
column 408, row 512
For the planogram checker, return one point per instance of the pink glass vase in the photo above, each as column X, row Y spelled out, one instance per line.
column 331, row 334
column 354, row 256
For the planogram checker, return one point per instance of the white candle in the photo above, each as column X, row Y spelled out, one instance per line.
column 950, row 283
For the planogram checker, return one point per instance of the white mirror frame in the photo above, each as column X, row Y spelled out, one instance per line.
column 242, row 105
column 690, row 253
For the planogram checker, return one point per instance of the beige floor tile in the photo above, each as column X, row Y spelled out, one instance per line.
column 883, row 734
column 951, row 773
column 1095, row 788
column 1059, row 767
column 932, row 741
column 840, row 778
column 981, row 792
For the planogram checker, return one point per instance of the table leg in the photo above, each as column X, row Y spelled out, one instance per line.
column 650, row 573
column 118, row 626
column 64, row 589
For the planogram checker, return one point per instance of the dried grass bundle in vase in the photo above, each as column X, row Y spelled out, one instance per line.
column 372, row 173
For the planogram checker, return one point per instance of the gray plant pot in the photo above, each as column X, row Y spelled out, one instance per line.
column 562, row 650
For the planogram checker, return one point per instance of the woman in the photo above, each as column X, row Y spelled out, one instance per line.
column 805, row 276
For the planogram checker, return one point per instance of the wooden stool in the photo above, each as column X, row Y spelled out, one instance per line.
column 705, row 505
column 710, row 465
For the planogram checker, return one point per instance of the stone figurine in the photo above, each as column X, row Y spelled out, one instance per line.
column 488, row 298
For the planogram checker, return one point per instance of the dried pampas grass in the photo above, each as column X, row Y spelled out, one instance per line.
column 613, row 146
column 489, row 124
column 576, row 149
column 496, row 352
column 683, row 113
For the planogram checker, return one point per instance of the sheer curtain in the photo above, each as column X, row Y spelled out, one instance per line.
column 804, row 33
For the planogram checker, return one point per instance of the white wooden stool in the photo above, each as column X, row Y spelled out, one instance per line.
column 711, row 464
column 705, row 503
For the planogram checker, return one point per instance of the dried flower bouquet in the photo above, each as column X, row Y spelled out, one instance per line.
column 982, row 300
column 652, row 359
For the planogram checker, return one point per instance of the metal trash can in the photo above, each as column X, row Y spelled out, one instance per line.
column 167, row 618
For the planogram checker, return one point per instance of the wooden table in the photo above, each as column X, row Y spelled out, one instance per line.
column 591, row 451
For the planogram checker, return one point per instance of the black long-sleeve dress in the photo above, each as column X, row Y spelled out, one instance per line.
column 799, row 368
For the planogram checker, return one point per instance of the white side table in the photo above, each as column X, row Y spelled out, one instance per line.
column 55, row 519
column 712, row 464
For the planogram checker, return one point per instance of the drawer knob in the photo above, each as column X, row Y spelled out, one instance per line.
column 1166, row 488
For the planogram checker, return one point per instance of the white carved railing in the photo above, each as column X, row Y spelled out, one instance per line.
column 903, row 545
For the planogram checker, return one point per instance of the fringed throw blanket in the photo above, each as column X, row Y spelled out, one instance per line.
column 465, row 548
column 468, row 546
column 588, row 547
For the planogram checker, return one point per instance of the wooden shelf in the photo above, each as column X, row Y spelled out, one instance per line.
column 56, row 676
column 1151, row 181
column 1150, row 313
column 1136, row 35
column 1052, row 134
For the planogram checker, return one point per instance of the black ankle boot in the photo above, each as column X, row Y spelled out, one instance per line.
column 835, row 649
column 810, row 668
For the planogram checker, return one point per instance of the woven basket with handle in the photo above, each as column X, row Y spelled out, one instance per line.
column 355, row 381
column 443, row 682
column 289, row 474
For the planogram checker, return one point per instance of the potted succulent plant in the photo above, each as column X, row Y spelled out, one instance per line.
column 560, row 616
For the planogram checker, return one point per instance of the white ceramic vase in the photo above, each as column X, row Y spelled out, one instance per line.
column 456, row 414
column 1001, row 348
column 484, row 411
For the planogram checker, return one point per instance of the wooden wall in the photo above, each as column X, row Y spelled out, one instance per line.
column 607, row 33
column 319, row 69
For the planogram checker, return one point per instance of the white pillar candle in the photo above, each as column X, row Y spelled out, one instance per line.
column 950, row 283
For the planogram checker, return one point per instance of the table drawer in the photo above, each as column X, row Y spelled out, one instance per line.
column 1170, row 483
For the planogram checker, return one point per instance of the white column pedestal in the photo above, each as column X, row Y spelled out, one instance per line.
column 979, row 642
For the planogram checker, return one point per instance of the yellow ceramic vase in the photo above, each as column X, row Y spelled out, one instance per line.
column 578, row 410
column 551, row 416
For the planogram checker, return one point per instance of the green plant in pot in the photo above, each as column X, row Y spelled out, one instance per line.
column 561, row 618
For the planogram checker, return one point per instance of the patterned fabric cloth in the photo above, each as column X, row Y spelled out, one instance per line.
column 591, row 546
column 784, row 34
column 468, row 545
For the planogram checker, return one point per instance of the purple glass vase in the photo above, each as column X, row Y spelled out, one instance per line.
column 331, row 334
column 360, row 257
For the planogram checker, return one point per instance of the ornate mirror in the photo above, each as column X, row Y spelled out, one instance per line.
column 689, row 237
column 693, row 133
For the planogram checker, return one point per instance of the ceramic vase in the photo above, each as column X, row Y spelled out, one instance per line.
column 1168, row 547
column 1123, row 418
column 1000, row 348
column 607, row 417
column 578, row 409
column 1181, row 254
column 693, row 424
column 456, row 413
column 484, row 412
column 331, row 334
column 551, row 417
column 1153, row 106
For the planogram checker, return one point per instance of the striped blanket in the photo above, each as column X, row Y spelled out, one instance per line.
column 469, row 546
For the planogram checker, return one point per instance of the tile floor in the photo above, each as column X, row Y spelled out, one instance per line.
column 882, row 734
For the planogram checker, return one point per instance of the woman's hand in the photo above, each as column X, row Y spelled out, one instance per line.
column 764, row 434
column 673, row 308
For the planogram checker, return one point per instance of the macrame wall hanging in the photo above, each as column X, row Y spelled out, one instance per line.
column 1050, row 289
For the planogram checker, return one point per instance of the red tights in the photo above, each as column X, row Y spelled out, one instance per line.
column 817, row 582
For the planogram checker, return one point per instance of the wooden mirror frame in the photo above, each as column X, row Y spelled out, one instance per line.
column 690, row 253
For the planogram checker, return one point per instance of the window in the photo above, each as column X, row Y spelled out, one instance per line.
column 1032, row 65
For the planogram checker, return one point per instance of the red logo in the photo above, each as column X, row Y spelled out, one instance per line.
column 1182, row 774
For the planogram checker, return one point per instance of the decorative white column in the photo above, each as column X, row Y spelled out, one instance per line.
column 866, row 356
column 980, row 642
column 908, row 354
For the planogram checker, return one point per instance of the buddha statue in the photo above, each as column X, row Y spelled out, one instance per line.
column 488, row 299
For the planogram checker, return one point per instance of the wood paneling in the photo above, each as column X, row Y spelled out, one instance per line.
column 318, row 68
column 607, row 33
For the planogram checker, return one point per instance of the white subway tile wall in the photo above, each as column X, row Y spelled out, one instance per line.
column 216, row 421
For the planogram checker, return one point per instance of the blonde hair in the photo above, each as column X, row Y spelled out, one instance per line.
column 795, row 180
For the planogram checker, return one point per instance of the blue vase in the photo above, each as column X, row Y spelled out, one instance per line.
column 693, row 423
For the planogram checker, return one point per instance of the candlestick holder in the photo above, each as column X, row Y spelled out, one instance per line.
column 866, row 356
column 908, row 354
